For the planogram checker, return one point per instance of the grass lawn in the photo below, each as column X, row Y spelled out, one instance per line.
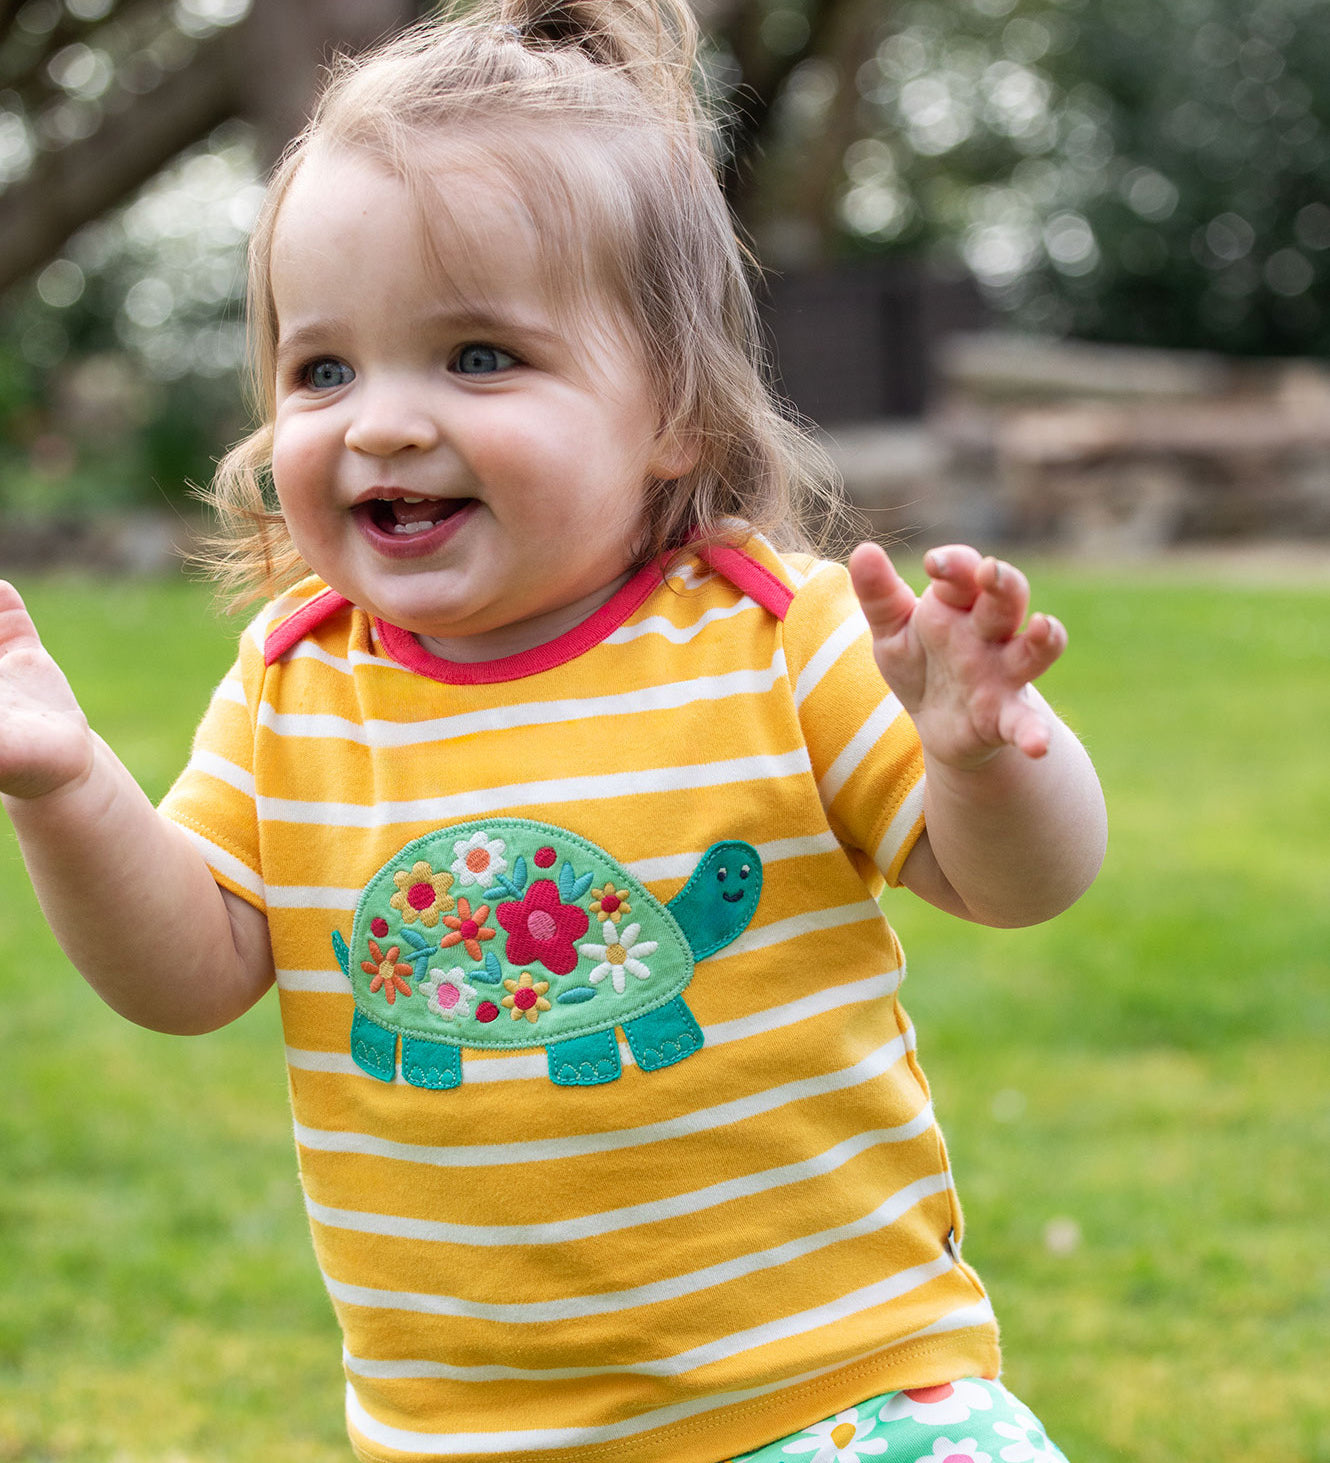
column 1137, row 1095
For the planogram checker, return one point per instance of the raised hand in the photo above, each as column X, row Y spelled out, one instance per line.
column 45, row 741
column 957, row 655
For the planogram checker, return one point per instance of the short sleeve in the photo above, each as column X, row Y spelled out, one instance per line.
column 864, row 748
column 213, row 799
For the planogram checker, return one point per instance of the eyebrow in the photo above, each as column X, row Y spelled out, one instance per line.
column 470, row 321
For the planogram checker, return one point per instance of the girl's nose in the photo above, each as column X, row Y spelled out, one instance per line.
column 390, row 420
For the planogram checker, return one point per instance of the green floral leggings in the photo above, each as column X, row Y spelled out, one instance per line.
column 970, row 1421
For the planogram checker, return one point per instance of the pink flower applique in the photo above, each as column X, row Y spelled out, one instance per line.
column 542, row 928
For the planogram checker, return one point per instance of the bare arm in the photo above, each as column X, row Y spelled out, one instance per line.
column 128, row 896
column 1016, row 828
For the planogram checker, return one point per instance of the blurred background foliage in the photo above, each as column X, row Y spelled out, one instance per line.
column 1146, row 171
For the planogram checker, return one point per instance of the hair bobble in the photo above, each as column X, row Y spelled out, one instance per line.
column 510, row 33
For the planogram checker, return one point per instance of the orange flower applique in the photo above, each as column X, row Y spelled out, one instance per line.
column 526, row 997
column 422, row 894
column 610, row 903
column 467, row 929
column 389, row 975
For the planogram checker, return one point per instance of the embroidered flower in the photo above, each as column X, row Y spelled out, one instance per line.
column 526, row 997
column 467, row 929
column 421, row 894
column 966, row 1451
column 942, row 1406
column 479, row 858
column 610, row 903
column 618, row 954
column 840, row 1439
column 389, row 976
column 450, row 994
column 1029, row 1444
column 542, row 928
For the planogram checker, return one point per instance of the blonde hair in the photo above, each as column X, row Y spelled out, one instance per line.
column 649, row 226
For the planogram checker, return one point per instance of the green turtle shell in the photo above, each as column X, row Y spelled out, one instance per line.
column 506, row 933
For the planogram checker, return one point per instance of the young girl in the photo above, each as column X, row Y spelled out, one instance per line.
column 555, row 787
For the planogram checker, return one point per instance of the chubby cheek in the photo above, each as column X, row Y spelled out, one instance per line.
column 301, row 471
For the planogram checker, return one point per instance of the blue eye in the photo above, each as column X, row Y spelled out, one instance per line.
column 326, row 375
column 482, row 360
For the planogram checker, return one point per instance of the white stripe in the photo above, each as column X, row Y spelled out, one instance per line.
column 667, row 696
column 884, row 716
column 536, row 1439
column 535, row 1067
column 556, row 790
column 231, row 690
column 776, row 933
column 648, row 871
column 222, row 862
column 326, row 982
column 578, row 1307
column 830, row 651
column 311, row 896
column 408, row 1370
column 631, row 1216
column 540, row 1150
column 678, row 634
column 213, row 765
column 898, row 830
column 680, row 865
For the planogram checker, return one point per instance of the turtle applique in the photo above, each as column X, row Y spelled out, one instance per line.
column 505, row 933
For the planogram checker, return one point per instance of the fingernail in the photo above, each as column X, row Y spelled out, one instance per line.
column 936, row 562
column 997, row 573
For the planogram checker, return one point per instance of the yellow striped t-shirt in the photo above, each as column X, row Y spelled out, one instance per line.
column 598, row 1163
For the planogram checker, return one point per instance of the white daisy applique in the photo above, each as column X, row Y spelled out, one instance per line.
column 479, row 859
column 618, row 954
column 840, row 1439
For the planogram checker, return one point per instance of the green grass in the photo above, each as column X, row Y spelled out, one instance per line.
column 1136, row 1095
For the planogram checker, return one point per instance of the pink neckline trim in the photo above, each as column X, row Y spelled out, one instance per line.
column 407, row 651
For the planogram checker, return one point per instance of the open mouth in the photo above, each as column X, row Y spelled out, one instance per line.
column 407, row 517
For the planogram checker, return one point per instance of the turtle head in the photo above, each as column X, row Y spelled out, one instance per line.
column 717, row 902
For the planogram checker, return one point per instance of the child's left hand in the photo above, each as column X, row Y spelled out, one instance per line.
column 956, row 656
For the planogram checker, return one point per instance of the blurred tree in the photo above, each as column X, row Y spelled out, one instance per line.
column 1154, row 171
column 132, row 133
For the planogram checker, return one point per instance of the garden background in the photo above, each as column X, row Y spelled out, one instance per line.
column 1136, row 1095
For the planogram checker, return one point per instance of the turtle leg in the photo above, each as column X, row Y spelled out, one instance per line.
column 431, row 1063
column 373, row 1047
column 584, row 1061
column 664, row 1036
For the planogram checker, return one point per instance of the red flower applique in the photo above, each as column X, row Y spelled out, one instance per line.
column 542, row 928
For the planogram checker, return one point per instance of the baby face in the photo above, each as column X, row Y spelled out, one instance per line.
column 456, row 449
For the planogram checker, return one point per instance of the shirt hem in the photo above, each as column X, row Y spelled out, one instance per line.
column 719, row 1437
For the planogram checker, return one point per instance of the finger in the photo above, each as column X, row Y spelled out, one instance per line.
column 1042, row 643
column 952, row 571
column 1004, row 597
column 887, row 601
column 1025, row 724
column 17, row 632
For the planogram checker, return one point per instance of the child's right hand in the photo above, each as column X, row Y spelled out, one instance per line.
column 45, row 741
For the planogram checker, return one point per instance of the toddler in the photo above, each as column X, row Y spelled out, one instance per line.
column 555, row 785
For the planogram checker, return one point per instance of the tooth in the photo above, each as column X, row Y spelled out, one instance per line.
column 409, row 528
column 413, row 500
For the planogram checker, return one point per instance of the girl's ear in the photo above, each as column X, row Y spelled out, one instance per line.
column 677, row 451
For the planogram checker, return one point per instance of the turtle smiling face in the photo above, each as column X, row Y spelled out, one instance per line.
column 732, row 876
